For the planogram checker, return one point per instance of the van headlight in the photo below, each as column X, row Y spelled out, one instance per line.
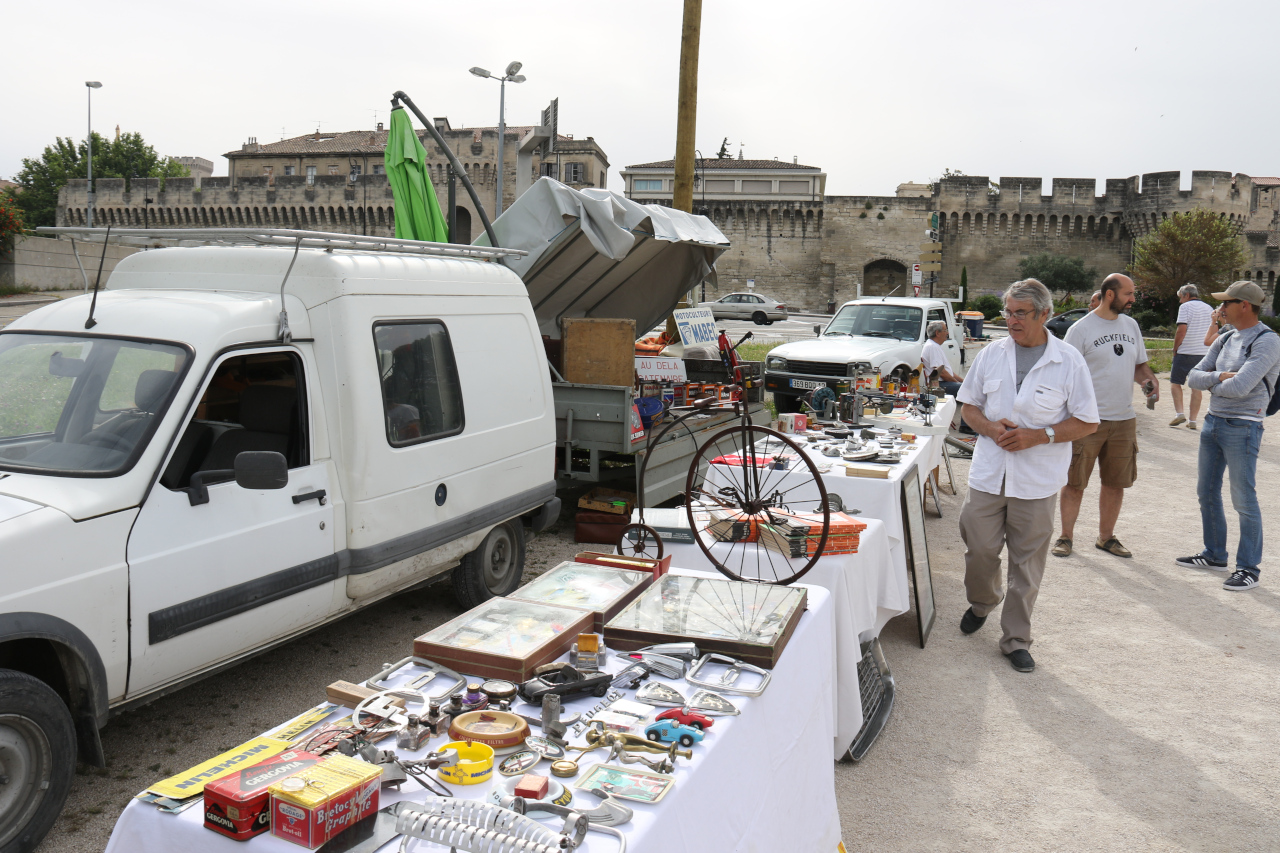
column 775, row 362
column 863, row 367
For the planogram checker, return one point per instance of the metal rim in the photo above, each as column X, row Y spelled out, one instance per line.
column 26, row 772
column 756, row 493
column 499, row 559
column 647, row 544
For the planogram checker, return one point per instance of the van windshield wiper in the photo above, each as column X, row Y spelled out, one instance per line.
column 879, row 335
column 846, row 334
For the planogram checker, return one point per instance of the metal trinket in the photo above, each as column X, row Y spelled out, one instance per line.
column 413, row 735
column 518, row 762
column 418, row 685
column 662, row 695
column 728, row 680
column 544, row 747
column 712, row 703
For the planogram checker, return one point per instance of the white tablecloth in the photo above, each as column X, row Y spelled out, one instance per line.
column 762, row 781
column 867, row 593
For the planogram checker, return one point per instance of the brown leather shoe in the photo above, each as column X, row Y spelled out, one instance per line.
column 1062, row 548
column 1113, row 546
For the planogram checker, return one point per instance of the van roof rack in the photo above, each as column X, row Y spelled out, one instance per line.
column 156, row 238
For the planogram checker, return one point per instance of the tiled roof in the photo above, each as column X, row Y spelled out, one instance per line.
column 1266, row 182
column 730, row 163
column 359, row 141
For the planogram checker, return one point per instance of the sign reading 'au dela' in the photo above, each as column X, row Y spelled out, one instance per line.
column 653, row 369
column 697, row 326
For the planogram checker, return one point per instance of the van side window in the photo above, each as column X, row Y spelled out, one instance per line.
column 937, row 315
column 254, row 401
column 421, row 394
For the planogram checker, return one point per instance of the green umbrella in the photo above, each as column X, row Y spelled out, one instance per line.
column 417, row 214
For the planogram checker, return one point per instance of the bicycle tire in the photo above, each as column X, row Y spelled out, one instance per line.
column 641, row 547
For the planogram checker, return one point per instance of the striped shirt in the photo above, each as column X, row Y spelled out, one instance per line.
column 1197, row 316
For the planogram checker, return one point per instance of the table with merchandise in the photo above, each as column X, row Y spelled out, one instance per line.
column 610, row 704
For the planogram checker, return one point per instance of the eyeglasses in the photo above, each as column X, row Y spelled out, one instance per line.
column 1232, row 301
column 1018, row 315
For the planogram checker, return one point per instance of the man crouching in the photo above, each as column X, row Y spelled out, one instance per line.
column 1028, row 397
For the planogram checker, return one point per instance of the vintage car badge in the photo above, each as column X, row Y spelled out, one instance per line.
column 544, row 747
column 712, row 703
column 657, row 693
column 517, row 763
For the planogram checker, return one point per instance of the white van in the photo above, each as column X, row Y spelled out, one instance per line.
column 184, row 484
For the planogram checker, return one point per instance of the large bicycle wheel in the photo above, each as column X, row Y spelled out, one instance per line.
column 757, row 506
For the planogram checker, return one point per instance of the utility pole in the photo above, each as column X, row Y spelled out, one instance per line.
column 687, row 111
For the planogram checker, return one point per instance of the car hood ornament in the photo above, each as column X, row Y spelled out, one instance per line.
column 657, row 693
column 712, row 703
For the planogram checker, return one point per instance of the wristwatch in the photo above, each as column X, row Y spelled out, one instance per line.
column 1049, row 432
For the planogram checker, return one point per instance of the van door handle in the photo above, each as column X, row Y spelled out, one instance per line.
column 317, row 495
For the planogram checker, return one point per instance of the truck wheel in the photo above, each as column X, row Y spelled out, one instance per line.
column 493, row 569
column 37, row 759
column 759, row 318
column 787, row 405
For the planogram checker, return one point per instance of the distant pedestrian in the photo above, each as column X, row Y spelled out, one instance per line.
column 1194, row 321
column 1112, row 346
column 937, row 368
column 1240, row 373
column 1095, row 299
column 1028, row 396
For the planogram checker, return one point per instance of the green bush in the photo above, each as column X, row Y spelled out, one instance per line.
column 862, row 215
column 1149, row 319
column 869, row 205
column 1273, row 322
column 988, row 303
column 879, row 216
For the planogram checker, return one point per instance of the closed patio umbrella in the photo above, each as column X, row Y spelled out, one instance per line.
column 417, row 213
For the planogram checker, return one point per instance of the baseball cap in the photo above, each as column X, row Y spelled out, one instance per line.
column 1245, row 291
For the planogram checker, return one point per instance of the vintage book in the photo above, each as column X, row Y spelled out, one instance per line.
column 503, row 638
column 750, row 621
column 604, row 590
column 671, row 524
column 872, row 473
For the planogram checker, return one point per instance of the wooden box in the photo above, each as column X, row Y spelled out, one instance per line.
column 604, row 500
column 749, row 621
column 598, row 352
column 604, row 590
column 657, row 568
column 502, row 638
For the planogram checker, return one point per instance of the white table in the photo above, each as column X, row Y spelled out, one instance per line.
column 760, row 781
column 867, row 592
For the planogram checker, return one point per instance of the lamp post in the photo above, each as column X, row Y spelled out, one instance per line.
column 91, row 85
column 514, row 77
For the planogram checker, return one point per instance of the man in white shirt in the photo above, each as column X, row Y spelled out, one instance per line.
column 1194, row 319
column 1028, row 396
column 936, row 365
column 1112, row 346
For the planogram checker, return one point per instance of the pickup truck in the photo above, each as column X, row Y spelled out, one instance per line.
column 236, row 444
column 865, row 334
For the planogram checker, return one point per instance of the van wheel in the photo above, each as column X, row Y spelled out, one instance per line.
column 37, row 759
column 759, row 318
column 493, row 569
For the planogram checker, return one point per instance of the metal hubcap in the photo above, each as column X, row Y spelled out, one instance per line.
column 26, row 765
column 498, row 566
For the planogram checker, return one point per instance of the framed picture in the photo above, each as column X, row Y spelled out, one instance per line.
column 626, row 783
column 918, row 552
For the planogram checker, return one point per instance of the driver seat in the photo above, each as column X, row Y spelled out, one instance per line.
column 124, row 430
column 267, row 415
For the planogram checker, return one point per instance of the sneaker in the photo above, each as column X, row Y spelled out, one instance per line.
column 971, row 621
column 1062, row 548
column 1021, row 660
column 1113, row 546
column 1241, row 580
column 1180, row 419
column 1191, row 424
column 1200, row 561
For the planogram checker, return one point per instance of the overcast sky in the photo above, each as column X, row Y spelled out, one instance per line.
column 874, row 93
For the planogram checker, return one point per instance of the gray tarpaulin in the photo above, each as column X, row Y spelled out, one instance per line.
column 595, row 253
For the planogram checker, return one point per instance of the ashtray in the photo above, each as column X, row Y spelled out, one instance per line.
column 557, row 793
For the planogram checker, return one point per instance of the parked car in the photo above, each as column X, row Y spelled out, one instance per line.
column 747, row 306
column 668, row 731
column 685, row 717
column 201, row 476
column 564, row 680
column 1061, row 322
column 865, row 334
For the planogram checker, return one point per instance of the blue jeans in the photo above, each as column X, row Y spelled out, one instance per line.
column 1230, row 444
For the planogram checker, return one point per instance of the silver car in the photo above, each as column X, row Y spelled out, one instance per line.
column 747, row 306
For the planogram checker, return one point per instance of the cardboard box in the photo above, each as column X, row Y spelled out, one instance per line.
column 239, row 805
column 316, row 804
column 598, row 351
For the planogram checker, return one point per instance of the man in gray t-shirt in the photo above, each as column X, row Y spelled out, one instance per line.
column 1112, row 346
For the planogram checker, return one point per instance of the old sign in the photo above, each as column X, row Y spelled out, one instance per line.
column 661, row 369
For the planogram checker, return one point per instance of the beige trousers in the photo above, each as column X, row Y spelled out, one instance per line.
column 988, row 523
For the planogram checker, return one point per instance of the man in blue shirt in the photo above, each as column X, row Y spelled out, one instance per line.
column 1239, row 372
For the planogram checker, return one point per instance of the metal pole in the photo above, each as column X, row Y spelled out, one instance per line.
column 453, row 206
column 502, row 142
column 89, row 218
column 687, row 110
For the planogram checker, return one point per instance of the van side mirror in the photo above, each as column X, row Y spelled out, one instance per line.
column 254, row 469
column 261, row 469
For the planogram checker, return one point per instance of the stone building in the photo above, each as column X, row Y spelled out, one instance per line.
column 337, row 182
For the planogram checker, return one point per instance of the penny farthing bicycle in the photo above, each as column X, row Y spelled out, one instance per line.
column 756, row 504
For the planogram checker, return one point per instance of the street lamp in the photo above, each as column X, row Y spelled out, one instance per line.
column 91, row 84
column 515, row 77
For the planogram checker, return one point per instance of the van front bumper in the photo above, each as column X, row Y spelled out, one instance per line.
column 781, row 383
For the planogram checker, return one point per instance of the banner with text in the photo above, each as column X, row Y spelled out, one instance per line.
column 697, row 327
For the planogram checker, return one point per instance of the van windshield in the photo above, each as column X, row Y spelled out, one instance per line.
column 82, row 406
column 878, row 320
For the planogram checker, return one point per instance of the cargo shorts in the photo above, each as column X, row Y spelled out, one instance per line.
column 1114, row 446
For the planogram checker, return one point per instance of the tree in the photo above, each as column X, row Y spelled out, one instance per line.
column 1199, row 246
column 1058, row 272
column 128, row 156
column 10, row 223
column 723, row 153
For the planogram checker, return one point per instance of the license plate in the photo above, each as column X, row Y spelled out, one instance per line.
column 807, row 384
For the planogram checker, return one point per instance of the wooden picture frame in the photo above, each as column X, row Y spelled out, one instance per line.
column 917, row 546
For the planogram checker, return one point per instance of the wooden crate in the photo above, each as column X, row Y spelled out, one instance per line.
column 598, row 352
column 600, row 500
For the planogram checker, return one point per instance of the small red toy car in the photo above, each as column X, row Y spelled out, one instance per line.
column 685, row 717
